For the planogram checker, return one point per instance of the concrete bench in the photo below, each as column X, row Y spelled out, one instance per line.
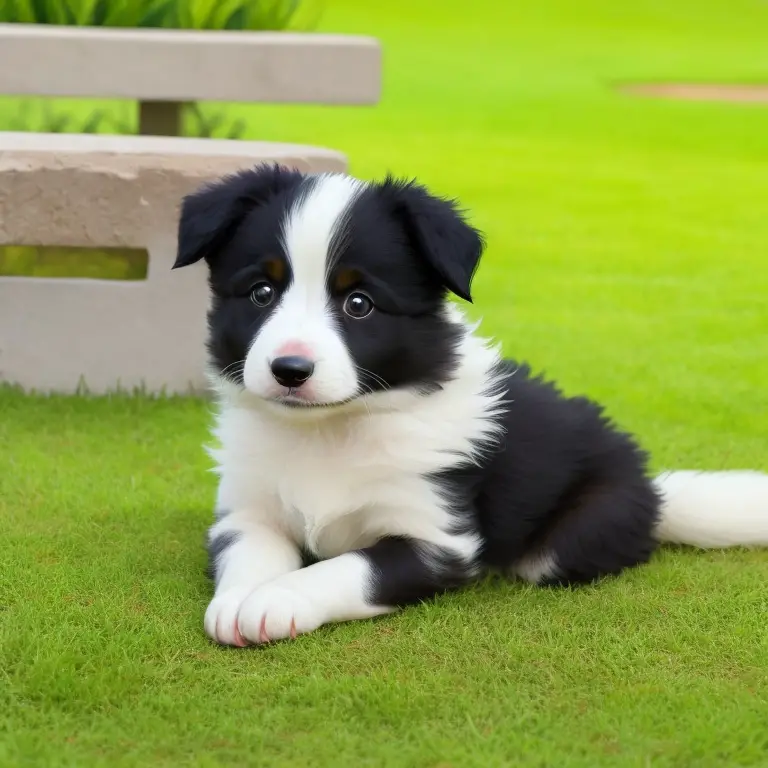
column 163, row 69
column 105, row 192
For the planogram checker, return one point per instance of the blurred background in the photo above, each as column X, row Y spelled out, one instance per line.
column 627, row 234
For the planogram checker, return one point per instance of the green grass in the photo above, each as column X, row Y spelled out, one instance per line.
column 68, row 261
column 172, row 14
column 627, row 258
column 122, row 118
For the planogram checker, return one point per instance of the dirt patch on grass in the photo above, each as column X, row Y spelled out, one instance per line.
column 746, row 94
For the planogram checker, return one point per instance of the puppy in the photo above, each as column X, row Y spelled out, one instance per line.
column 373, row 449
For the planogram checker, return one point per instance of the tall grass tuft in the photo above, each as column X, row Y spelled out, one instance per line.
column 169, row 14
column 37, row 114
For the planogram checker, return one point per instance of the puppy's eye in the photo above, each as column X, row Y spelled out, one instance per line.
column 262, row 294
column 358, row 305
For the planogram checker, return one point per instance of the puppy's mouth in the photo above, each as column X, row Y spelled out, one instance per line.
column 292, row 400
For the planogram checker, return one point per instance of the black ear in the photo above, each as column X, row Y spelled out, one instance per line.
column 210, row 215
column 439, row 233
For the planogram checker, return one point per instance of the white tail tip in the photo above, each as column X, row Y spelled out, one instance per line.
column 714, row 509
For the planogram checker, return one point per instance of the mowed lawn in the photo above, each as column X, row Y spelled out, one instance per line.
column 627, row 257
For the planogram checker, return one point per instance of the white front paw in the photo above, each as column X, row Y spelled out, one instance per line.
column 221, row 618
column 273, row 612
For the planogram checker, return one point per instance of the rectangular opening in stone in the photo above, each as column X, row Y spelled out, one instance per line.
column 68, row 262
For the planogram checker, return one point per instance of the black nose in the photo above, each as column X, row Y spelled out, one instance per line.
column 292, row 370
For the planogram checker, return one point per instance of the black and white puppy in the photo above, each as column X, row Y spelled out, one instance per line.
column 374, row 450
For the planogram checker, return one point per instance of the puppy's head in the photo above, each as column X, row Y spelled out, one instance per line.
column 327, row 289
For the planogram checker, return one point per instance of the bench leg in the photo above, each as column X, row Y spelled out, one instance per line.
column 160, row 118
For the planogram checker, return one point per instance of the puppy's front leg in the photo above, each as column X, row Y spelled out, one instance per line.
column 358, row 585
column 245, row 552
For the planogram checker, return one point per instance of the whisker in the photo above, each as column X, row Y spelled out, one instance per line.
column 233, row 369
column 366, row 390
column 376, row 378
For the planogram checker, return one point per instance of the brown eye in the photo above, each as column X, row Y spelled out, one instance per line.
column 262, row 294
column 358, row 305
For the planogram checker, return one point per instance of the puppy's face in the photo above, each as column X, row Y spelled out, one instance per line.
column 326, row 289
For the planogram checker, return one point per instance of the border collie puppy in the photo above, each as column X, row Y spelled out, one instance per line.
column 374, row 450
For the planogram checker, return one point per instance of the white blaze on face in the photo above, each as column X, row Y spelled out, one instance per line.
column 302, row 322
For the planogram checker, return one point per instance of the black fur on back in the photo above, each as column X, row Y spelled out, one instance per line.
column 564, row 481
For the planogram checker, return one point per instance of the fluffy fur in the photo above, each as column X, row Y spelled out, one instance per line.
column 374, row 450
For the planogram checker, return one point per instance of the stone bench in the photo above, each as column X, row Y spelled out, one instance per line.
column 163, row 69
column 96, row 191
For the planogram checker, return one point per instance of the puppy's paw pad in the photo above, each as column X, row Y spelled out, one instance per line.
column 276, row 613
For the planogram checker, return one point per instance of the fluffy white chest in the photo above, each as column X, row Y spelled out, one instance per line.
column 340, row 483
column 334, row 488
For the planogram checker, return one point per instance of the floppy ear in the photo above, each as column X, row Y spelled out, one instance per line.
column 210, row 215
column 439, row 233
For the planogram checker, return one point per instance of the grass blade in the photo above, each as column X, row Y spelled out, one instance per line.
column 168, row 14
